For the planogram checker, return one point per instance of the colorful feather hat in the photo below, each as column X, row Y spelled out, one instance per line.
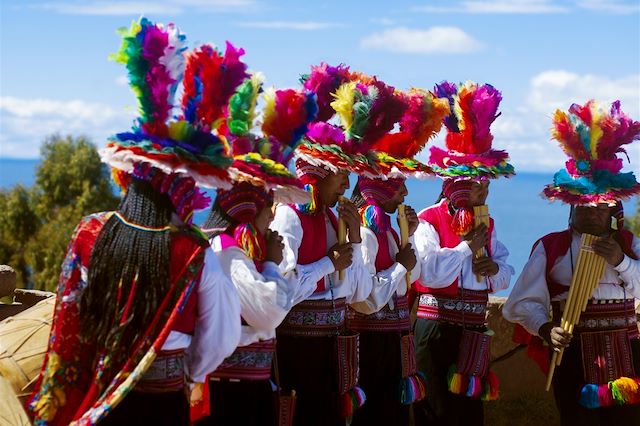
column 358, row 105
column 174, row 155
column 591, row 137
column 469, row 152
column 422, row 119
column 262, row 160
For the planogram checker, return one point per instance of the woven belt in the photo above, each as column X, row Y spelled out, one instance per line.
column 251, row 362
column 386, row 319
column 468, row 308
column 314, row 318
column 604, row 315
column 166, row 374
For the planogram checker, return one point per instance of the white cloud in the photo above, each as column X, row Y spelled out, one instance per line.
column 610, row 6
column 496, row 6
column 122, row 80
column 26, row 122
column 433, row 40
column 288, row 25
column 385, row 22
column 160, row 7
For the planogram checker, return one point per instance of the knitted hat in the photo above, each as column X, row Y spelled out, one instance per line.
column 591, row 137
column 469, row 153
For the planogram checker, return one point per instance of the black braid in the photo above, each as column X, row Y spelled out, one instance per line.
column 218, row 221
column 119, row 253
column 356, row 197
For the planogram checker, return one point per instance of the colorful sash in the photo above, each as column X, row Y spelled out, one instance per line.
column 315, row 318
column 468, row 308
column 386, row 319
column 252, row 362
column 166, row 374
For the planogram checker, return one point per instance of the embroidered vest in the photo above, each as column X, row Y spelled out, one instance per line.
column 182, row 247
column 313, row 246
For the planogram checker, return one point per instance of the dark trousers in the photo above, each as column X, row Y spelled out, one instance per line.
column 436, row 350
column 247, row 402
column 380, row 375
column 138, row 408
column 307, row 365
column 568, row 380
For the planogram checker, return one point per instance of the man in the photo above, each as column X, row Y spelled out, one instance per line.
column 591, row 385
column 387, row 362
column 142, row 302
column 460, row 265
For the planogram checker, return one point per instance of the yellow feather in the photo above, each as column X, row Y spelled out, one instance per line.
column 269, row 113
column 596, row 130
column 343, row 103
column 256, row 81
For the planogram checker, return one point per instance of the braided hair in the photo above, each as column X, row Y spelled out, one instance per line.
column 218, row 221
column 356, row 197
column 127, row 264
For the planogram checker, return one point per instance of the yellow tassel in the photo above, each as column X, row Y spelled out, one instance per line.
column 343, row 103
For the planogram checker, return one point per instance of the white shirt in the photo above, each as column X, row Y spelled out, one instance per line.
column 388, row 281
column 265, row 298
column 217, row 331
column 529, row 303
column 440, row 266
column 357, row 282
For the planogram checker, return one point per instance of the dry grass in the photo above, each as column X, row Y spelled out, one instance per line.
column 526, row 410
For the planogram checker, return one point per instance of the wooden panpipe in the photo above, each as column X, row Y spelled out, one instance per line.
column 403, row 223
column 480, row 216
column 586, row 277
column 342, row 235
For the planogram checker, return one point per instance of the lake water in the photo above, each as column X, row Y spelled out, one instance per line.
column 520, row 214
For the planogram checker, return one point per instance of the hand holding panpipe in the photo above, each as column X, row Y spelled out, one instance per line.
column 586, row 277
column 403, row 223
column 342, row 235
column 480, row 216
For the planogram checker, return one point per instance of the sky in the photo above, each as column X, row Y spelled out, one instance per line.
column 55, row 76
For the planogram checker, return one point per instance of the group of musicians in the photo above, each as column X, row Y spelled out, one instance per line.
column 280, row 311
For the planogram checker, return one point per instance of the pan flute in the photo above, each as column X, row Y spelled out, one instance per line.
column 480, row 216
column 586, row 277
column 403, row 223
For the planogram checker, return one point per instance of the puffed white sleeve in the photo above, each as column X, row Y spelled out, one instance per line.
column 439, row 266
column 500, row 254
column 217, row 331
column 384, row 283
column 357, row 278
column 629, row 270
column 265, row 298
column 288, row 226
column 529, row 303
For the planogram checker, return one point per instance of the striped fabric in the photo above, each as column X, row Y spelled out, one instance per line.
column 166, row 374
column 408, row 354
column 473, row 354
column 606, row 356
column 252, row 362
column 315, row 318
column 386, row 319
column 604, row 315
column 347, row 366
column 309, row 173
column 377, row 191
column 468, row 308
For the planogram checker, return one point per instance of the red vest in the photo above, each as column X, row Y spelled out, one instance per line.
column 440, row 218
column 313, row 246
column 384, row 260
column 182, row 247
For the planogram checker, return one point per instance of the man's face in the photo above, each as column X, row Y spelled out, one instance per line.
column 392, row 204
column 479, row 193
column 595, row 220
column 332, row 187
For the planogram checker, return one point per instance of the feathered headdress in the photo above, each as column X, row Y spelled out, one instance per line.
column 262, row 159
column 183, row 149
column 469, row 140
column 422, row 119
column 367, row 109
column 591, row 137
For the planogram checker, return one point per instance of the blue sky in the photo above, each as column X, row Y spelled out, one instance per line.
column 542, row 54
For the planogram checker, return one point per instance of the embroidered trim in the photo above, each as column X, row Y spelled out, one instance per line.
column 386, row 319
column 251, row 362
column 469, row 308
column 314, row 318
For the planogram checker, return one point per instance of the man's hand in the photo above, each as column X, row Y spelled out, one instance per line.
column 341, row 256
column 274, row 247
column 412, row 219
column 484, row 266
column 195, row 396
column 556, row 337
column 348, row 212
column 478, row 238
column 609, row 249
column 407, row 257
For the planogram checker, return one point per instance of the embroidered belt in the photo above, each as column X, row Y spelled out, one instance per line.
column 604, row 315
column 314, row 318
column 251, row 362
column 166, row 373
column 386, row 319
column 468, row 308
